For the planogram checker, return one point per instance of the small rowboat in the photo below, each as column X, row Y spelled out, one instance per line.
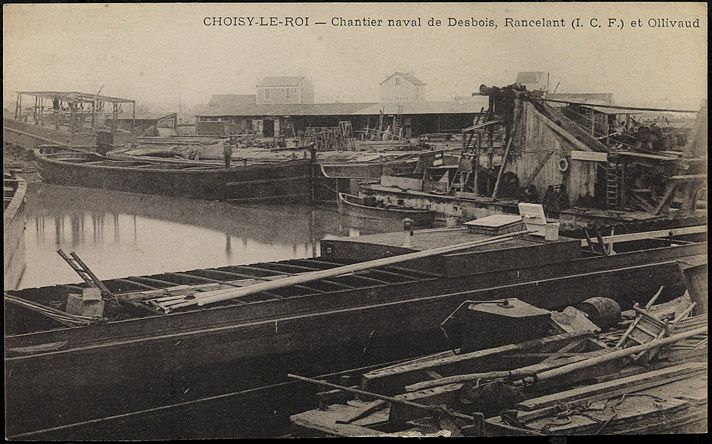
column 358, row 206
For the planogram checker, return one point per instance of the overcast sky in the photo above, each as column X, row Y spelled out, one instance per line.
column 158, row 52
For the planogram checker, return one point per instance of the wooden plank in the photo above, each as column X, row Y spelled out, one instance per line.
column 325, row 422
column 650, row 234
column 591, row 156
column 410, row 372
column 689, row 177
column 616, row 387
column 221, row 295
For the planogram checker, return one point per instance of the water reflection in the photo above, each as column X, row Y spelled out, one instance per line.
column 151, row 234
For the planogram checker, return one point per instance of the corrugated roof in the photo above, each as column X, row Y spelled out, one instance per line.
column 292, row 109
column 282, row 81
column 423, row 107
column 409, row 77
column 345, row 109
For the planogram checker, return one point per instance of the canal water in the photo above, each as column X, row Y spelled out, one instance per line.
column 124, row 234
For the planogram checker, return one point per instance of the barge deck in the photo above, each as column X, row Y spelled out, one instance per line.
column 373, row 315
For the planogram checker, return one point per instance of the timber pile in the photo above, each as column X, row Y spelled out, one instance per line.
column 574, row 382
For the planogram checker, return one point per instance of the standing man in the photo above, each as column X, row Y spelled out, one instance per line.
column 227, row 152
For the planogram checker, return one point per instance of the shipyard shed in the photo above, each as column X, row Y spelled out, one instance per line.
column 291, row 120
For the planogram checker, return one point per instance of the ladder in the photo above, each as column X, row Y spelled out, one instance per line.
column 83, row 271
column 459, row 181
column 90, row 278
column 398, row 121
column 612, row 196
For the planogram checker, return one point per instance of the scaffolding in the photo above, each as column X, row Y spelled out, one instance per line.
column 337, row 138
column 73, row 112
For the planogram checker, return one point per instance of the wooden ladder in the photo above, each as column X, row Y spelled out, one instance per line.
column 459, row 181
column 612, row 195
column 398, row 121
column 83, row 271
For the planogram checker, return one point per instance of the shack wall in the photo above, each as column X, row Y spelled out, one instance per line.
column 538, row 135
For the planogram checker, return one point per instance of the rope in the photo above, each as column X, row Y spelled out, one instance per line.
column 632, row 108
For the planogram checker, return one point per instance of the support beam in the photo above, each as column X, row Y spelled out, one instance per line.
column 537, row 169
column 136, row 284
column 666, row 201
column 258, row 278
column 154, row 281
column 506, row 151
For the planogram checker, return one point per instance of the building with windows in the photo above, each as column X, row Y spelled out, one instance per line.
column 285, row 90
column 402, row 87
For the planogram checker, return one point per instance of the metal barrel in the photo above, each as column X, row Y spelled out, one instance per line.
column 604, row 312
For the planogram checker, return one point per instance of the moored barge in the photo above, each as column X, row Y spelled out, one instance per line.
column 284, row 182
column 373, row 313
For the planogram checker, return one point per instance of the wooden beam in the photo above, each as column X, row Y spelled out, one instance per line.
column 642, row 203
column 619, row 354
column 137, row 284
column 615, row 387
column 537, row 169
column 410, row 372
column 689, row 178
column 221, row 295
column 506, row 151
column 650, row 235
column 154, row 281
column 667, row 199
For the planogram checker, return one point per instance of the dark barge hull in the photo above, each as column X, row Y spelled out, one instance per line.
column 148, row 358
column 285, row 182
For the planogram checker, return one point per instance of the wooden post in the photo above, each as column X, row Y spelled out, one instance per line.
column 476, row 162
column 71, row 124
column 93, row 116
column 114, row 117
column 133, row 118
column 506, row 151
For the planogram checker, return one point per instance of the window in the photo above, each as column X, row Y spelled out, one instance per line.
column 287, row 92
column 267, row 93
column 397, row 81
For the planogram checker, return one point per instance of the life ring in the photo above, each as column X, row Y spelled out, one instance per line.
column 563, row 164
